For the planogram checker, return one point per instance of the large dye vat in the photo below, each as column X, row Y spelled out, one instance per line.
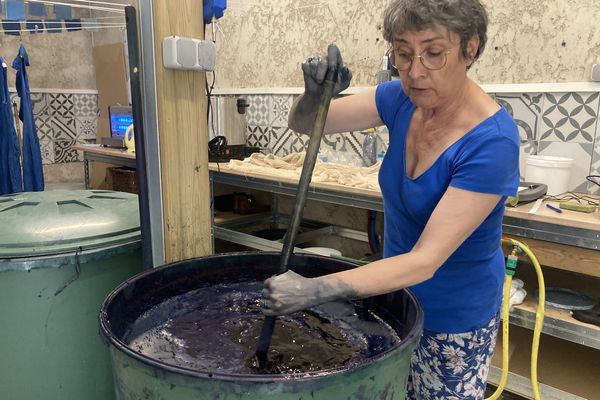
column 139, row 376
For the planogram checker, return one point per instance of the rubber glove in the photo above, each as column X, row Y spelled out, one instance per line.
column 291, row 292
column 304, row 110
column 315, row 70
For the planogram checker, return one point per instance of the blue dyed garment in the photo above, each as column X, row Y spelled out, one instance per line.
column 35, row 25
column 466, row 291
column 62, row 11
column 38, row 10
column 11, row 27
column 54, row 25
column 15, row 9
column 10, row 164
column 73, row 25
column 33, row 173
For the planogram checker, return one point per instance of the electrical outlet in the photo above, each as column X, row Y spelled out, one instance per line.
column 189, row 54
column 596, row 72
column 207, row 55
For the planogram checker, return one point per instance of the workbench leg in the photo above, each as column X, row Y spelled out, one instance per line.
column 211, row 184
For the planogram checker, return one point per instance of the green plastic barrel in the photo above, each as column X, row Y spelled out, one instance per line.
column 61, row 253
column 382, row 377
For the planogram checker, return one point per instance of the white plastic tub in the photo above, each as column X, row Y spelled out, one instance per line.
column 324, row 251
column 553, row 171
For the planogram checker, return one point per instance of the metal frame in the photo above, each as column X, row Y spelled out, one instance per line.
column 151, row 131
column 521, row 386
column 578, row 237
column 289, row 189
column 584, row 238
column 228, row 231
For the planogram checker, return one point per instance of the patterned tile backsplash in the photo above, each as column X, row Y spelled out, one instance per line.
column 553, row 124
column 62, row 120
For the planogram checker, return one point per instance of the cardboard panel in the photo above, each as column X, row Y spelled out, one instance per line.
column 111, row 82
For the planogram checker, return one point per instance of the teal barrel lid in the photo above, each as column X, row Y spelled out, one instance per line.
column 61, row 221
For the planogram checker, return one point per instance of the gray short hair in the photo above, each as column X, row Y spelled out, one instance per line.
column 467, row 18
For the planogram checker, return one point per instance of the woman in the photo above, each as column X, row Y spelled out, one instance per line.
column 451, row 162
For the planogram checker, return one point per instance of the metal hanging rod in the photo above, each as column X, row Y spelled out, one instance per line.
column 88, row 22
column 83, row 28
column 101, row 2
column 87, row 7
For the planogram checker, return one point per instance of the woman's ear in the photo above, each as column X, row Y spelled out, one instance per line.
column 472, row 48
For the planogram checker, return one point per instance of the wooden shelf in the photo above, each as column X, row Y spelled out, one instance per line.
column 565, row 370
column 563, row 257
column 521, row 386
column 557, row 323
column 225, row 216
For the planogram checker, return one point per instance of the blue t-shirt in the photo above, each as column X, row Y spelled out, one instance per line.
column 466, row 291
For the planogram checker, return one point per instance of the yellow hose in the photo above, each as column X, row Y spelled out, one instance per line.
column 539, row 321
column 505, row 316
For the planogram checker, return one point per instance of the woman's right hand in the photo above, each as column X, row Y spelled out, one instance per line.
column 290, row 292
column 315, row 70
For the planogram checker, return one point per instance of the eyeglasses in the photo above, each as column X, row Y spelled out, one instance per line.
column 432, row 60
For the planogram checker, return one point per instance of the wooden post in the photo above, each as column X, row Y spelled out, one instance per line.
column 183, row 137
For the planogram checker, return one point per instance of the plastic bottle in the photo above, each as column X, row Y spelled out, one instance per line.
column 384, row 74
column 369, row 148
column 323, row 154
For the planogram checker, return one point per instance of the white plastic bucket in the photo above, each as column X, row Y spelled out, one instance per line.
column 324, row 251
column 553, row 171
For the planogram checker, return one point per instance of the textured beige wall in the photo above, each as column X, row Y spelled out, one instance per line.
column 262, row 43
column 63, row 60
column 540, row 41
column 57, row 60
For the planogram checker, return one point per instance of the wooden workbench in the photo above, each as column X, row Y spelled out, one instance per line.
column 108, row 155
column 567, row 242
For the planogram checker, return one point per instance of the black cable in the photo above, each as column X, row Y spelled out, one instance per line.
column 592, row 178
column 209, row 89
column 209, row 108
column 568, row 196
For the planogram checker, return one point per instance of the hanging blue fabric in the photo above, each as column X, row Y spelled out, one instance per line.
column 11, row 27
column 54, row 25
column 15, row 9
column 10, row 163
column 38, row 10
column 33, row 173
column 35, row 26
column 62, row 11
column 73, row 25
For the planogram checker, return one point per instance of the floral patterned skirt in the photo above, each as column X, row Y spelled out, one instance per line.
column 452, row 366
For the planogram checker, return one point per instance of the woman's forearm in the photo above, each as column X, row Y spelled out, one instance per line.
column 379, row 277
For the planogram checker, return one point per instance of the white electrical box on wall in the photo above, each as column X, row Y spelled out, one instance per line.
column 189, row 53
column 596, row 72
